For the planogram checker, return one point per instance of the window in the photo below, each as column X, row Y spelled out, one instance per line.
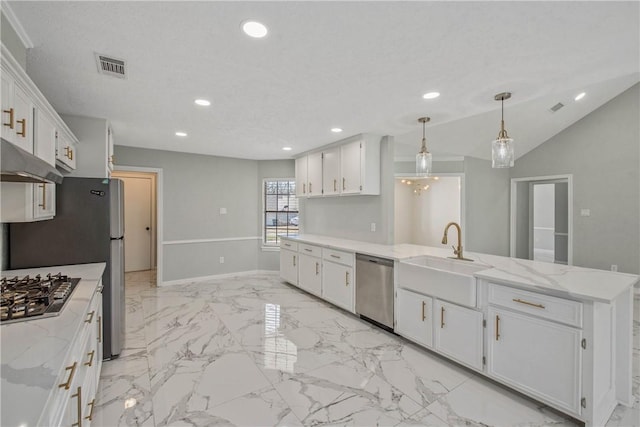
column 281, row 216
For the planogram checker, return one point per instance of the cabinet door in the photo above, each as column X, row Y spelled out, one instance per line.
column 301, row 176
column 314, row 175
column 8, row 109
column 44, row 145
column 458, row 333
column 414, row 317
column 65, row 151
column 539, row 357
column 331, row 183
column 310, row 274
column 351, row 168
column 44, row 201
column 289, row 266
column 338, row 285
column 23, row 119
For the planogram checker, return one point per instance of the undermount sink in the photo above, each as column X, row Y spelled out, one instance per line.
column 447, row 279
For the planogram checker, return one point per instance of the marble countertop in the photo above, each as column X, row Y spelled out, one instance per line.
column 32, row 353
column 562, row 280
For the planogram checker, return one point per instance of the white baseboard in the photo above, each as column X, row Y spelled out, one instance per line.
column 215, row 277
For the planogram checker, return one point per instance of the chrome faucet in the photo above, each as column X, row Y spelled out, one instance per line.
column 457, row 251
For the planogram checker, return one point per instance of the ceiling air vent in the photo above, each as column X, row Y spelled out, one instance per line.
column 111, row 66
column 556, row 107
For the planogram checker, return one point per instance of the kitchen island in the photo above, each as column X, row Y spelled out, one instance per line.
column 51, row 366
column 560, row 334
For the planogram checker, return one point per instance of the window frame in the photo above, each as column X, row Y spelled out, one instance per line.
column 275, row 246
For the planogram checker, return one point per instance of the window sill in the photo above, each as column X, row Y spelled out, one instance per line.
column 270, row 248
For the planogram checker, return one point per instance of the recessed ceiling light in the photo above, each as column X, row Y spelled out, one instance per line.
column 431, row 95
column 181, row 134
column 580, row 96
column 336, row 130
column 202, row 102
column 254, row 29
column 287, row 148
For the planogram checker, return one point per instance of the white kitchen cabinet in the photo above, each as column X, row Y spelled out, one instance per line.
column 66, row 151
column 331, row 178
column 414, row 317
column 539, row 357
column 301, row 176
column 314, row 174
column 458, row 333
column 17, row 112
column 338, row 281
column 360, row 167
column 95, row 150
column 310, row 274
column 289, row 265
column 351, row 167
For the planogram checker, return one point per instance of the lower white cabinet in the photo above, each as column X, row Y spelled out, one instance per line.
column 338, row 285
column 289, row 266
column 414, row 317
column 458, row 333
column 539, row 357
column 310, row 274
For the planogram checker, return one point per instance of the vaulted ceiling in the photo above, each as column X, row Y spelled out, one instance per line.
column 360, row 66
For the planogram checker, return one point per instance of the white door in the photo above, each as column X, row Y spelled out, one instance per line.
column 458, row 333
column 414, row 317
column 351, row 168
column 310, row 274
column 289, row 266
column 301, row 177
column 338, row 285
column 331, row 172
column 314, row 174
column 137, row 220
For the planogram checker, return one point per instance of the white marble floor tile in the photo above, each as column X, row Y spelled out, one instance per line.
column 478, row 402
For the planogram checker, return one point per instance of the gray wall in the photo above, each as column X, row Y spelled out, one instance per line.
column 269, row 259
column 486, row 207
column 350, row 217
column 438, row 167
column 195, row 187
column 602, row 151
column 92, row 149
column 11, row 40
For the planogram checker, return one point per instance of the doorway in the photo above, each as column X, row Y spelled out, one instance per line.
column 140, row 189
column 542, row 219
column 424, row 206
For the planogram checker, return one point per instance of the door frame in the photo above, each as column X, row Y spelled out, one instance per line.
column 159, row 212
column 549, row 179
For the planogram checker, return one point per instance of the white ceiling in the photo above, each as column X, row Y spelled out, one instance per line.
column 361, row 66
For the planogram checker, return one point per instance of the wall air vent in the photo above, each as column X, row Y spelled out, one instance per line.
column 556, row 107
column 111, row 66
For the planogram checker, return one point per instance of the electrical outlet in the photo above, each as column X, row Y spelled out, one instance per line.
column 585, row 212
column 373, row 226
column 221, row 260
column 614, row 267
column 223, row 211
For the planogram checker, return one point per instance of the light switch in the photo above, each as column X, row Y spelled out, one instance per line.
column 223, row 211
column 373, row 226
column 585, row 212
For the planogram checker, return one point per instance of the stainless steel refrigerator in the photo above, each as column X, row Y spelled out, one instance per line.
column 88, row 227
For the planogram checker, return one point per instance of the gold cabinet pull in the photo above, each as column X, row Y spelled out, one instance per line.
column 304, row 188
column 23, row 132
column 335, row 256
column 90, row 318
column 90, row 354
column 335, row 183
column 78, row 394
column 70, row 153
column 10, row 111
column 309, row 188
column 72, row 370
column 497, row 327
column 99, row 329
column 423, row 315
column 92, row 404
column 346, row 278
column 44, row 197
column 308, row 250
column 66, row 152
column 441, row 317
column 518, row 300
column 317, row 268
column 344, row 184
column 294, row 260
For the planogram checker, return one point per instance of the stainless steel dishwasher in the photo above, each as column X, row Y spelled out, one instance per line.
column 374, row 289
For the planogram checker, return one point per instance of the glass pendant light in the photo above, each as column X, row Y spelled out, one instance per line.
column 502, row 154
column 423, row 158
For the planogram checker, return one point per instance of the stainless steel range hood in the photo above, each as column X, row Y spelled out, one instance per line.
column 17, row 165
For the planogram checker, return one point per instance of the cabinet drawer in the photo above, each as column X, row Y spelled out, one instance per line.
column 288, row 244
column 545, row 306
column 345, row 258
column 310, row 250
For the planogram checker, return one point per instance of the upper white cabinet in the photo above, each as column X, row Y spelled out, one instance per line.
column 17, row 111
column 95, row 151
column 347, row 167
column 65, row 151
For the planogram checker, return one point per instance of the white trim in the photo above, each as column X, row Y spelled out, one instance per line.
column 159, row 212
column 271, row 248
column 16, row 24
column 512, row 213
column 214, row 277
column 223, row 239
column 435, row 158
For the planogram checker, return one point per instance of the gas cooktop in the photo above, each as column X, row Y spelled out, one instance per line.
column 27, row 298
